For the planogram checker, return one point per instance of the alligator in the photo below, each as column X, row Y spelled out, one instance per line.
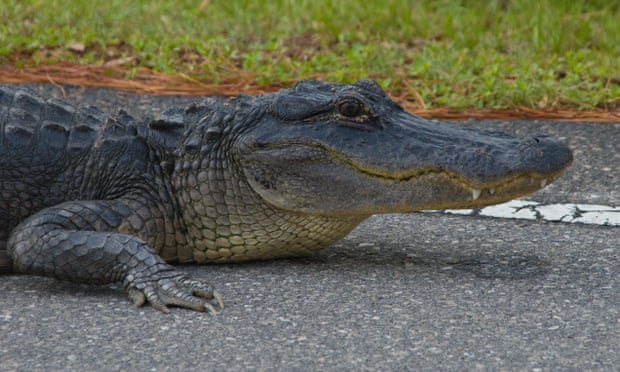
column 96, row 198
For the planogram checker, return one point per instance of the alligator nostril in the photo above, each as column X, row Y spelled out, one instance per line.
column 538, row 138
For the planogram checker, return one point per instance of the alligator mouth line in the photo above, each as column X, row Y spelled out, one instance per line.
column 518, row 184
column 528, row 183
column 515, row 185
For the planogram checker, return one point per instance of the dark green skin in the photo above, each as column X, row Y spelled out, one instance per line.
column 94, row 198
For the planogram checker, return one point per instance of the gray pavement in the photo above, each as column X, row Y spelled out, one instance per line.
column 402, row 292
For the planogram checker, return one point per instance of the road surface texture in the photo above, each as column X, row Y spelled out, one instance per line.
column 413, row 291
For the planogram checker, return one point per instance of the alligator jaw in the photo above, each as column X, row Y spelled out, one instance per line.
column 474, row 194
column 314, row 180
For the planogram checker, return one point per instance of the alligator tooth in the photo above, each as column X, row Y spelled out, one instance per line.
column 543, row 182
column 475, row 194
column 492, row 190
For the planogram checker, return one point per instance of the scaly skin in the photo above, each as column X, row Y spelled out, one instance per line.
column 96, row 199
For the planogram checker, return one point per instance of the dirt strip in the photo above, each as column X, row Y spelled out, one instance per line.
column 145, row 81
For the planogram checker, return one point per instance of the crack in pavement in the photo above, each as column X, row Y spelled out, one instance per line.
column 591, row 214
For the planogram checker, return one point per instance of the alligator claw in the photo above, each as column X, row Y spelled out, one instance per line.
column 179, row 291
column 219, row 299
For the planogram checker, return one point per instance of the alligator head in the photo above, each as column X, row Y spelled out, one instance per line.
column 285, row 174
column 350, row 150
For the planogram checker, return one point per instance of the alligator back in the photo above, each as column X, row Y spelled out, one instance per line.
column 37, row 138
column 39, row 141
column 47, row 149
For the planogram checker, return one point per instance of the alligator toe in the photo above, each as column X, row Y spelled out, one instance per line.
column 178, row 290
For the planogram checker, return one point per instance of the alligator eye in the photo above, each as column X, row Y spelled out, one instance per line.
column 350, row 108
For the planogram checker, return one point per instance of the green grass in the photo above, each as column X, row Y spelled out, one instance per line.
column 460, row 54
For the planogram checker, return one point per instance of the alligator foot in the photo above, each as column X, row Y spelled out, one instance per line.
column 66, row 242
column 176, row 289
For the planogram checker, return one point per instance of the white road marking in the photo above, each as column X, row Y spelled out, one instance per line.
column 591, row 214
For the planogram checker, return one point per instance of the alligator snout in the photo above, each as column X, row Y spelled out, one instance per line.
column 543, row 154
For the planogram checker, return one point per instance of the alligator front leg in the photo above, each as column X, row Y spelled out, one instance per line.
column 76, row 241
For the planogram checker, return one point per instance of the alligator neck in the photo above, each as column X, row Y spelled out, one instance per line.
column 228, row 222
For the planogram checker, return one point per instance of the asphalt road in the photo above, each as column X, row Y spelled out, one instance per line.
column 402, row 292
